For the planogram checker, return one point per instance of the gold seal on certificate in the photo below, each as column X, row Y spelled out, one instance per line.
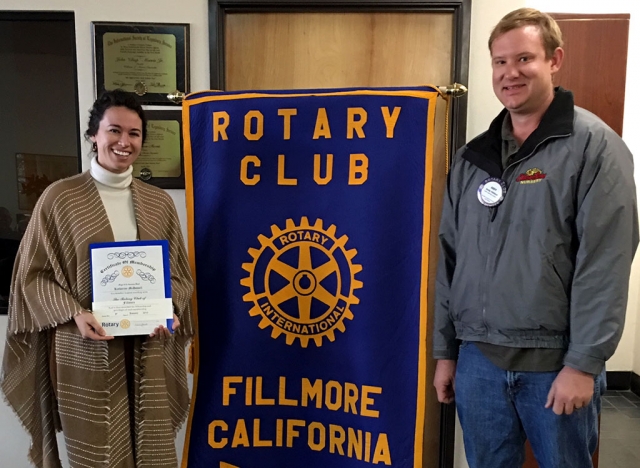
column 131, row 286
column 140, row 88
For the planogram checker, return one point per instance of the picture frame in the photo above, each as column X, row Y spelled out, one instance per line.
column 161, row 161
column 148, row 59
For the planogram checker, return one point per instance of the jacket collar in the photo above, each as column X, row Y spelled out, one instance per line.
column 485, row 150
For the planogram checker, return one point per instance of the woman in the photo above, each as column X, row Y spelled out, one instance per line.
column 119, row 401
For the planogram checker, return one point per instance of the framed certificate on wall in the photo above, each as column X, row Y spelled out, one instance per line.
column 161, row 161
column 148, row 59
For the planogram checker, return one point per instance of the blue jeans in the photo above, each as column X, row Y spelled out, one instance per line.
column 500, row 409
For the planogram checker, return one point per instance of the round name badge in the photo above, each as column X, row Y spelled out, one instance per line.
column 491, row 191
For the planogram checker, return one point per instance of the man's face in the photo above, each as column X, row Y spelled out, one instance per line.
column 522, row 74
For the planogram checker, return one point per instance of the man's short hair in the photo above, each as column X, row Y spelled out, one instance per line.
column 549, row 30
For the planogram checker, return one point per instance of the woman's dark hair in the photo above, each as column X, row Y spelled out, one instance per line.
column 115, row 98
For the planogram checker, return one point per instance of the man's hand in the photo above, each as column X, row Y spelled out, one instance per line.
column 90, row 328
column 445, row 380
column 572, row 389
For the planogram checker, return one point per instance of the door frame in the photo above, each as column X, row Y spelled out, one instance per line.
column 461, row 10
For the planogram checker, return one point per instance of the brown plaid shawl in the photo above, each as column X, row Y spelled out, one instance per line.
column 56, row 380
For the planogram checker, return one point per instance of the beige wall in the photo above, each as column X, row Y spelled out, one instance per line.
column 483, row 105
column 482, row 108
column 636, row 356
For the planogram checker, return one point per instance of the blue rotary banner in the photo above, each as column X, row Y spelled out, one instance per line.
column 309, row 217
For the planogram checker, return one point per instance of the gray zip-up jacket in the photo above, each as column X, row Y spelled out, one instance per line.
column 548, row 267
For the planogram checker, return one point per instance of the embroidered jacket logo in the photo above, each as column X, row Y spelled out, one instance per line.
column 532, row 176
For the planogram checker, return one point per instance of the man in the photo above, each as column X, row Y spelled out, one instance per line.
column 538, row 232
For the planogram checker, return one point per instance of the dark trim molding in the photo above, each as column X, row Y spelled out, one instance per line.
column 75, row 65
column 447, row 435
column 635, row 383
column 27, row 15
column 623, row 380
column 618, row 380
column 590, row 16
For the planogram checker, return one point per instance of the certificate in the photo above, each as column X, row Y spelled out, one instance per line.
column 131, row 285
column 148, row 59
column 135, row 60
column 160, row 155
column 161, row 160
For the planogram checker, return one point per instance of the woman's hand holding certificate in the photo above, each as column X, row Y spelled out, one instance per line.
column 132, row 287
column 90, row 328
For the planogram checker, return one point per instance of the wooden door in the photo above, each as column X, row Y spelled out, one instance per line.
column 381, row 44
column 595, row 64
column 325, row 50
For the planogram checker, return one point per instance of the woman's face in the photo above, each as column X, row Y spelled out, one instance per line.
column 119, row 139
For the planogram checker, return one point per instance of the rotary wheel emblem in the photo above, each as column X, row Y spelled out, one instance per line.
column 301, row 282
column 127, row 272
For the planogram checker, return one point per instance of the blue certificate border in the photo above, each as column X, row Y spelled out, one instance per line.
column 165, row 258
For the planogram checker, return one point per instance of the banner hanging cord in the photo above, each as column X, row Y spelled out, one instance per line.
column 447, row 92
column 446, row 135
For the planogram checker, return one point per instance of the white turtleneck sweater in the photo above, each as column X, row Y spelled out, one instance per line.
column 115, row 192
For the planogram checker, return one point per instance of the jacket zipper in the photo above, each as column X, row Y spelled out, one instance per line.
column 493, row 211
column 486, row 274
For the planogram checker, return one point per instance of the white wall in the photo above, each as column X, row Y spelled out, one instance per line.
column 483, row 106
column 636, row 357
